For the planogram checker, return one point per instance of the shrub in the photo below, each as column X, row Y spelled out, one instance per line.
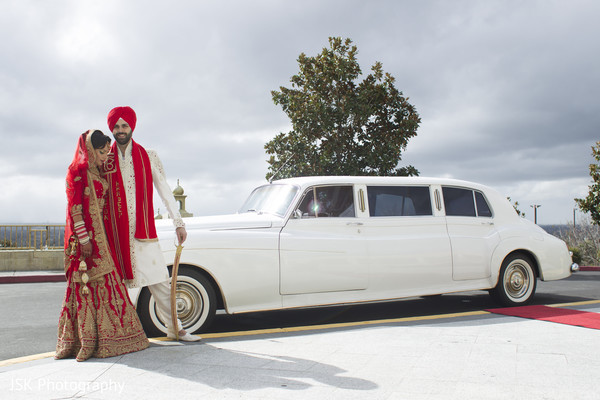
column 584, row 241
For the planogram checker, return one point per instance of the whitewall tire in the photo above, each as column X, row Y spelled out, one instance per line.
column 517, row 281
column 196, row 304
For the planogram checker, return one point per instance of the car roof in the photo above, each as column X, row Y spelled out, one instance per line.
column 380, row 180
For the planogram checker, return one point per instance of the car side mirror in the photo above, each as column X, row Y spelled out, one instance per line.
column 297, row 214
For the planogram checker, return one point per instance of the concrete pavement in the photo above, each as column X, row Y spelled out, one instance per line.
column 474, row 355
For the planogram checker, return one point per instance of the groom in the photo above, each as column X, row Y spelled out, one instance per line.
column 131, row 172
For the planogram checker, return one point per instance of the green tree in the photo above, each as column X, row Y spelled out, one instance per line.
column 591, row 203
column 341, row 126
column 516, row 207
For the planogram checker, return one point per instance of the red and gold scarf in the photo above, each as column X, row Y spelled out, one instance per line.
column 117, row 223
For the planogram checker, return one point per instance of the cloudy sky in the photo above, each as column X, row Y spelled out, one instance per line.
column 507, row 90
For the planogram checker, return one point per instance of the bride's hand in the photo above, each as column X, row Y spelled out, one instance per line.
column 86, row 249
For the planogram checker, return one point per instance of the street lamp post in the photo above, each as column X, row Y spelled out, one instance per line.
column 535, row 207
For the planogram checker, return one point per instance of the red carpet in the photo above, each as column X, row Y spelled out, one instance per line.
column 553, row 314
column 584, row 268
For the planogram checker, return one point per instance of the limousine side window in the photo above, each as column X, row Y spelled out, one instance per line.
column 465, row 203
column 483, row 208
column 328, row 201
column 399, row 201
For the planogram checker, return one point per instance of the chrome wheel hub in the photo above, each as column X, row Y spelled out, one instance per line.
column 189, row 304
column 517, row 281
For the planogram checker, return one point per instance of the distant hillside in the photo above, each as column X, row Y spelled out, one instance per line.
column 555, row 229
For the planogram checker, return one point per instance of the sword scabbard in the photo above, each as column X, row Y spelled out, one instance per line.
column 174, row 273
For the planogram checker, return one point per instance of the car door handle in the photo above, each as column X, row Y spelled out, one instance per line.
column 354, row 224
column 487, row 223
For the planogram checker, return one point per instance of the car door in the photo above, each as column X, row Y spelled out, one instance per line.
column 320, row 245
column 408, row 246
column 472, row 232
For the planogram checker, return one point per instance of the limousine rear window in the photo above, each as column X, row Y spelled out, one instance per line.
column 459, row 202
column 483, row 208
column 399, row 201
column 465, row 203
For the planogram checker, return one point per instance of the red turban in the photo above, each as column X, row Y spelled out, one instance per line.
column 126, row 113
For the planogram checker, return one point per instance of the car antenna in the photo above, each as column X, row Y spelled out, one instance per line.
column 280, row 168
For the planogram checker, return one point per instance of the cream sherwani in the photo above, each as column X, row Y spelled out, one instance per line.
column 147, row 261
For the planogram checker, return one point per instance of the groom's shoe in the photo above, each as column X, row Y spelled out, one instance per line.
column 186, row 337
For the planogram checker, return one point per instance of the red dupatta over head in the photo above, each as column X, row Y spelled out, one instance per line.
column 85, row 189
column 117, row 228
column 76, row 179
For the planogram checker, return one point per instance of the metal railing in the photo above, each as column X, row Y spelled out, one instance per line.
column 31, row 237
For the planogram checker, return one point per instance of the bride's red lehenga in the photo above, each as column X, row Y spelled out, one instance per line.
column 97, row 317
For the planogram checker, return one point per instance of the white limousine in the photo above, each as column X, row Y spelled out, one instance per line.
column 315, row 241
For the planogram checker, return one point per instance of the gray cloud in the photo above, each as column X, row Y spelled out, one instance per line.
column 505, row 89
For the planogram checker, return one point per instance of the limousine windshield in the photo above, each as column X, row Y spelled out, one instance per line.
column 270, row 199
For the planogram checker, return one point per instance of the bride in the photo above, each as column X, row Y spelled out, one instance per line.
column 97, row 317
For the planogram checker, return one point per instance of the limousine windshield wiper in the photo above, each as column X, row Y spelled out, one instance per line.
column 259, row 212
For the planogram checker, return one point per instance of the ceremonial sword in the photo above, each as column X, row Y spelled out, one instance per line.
column 174, row 291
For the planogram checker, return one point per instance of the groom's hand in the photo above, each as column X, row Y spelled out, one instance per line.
column 181, row 234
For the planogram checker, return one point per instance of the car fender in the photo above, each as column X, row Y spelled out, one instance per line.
column 552, row 262
column 509, row 246
column 236, row 260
